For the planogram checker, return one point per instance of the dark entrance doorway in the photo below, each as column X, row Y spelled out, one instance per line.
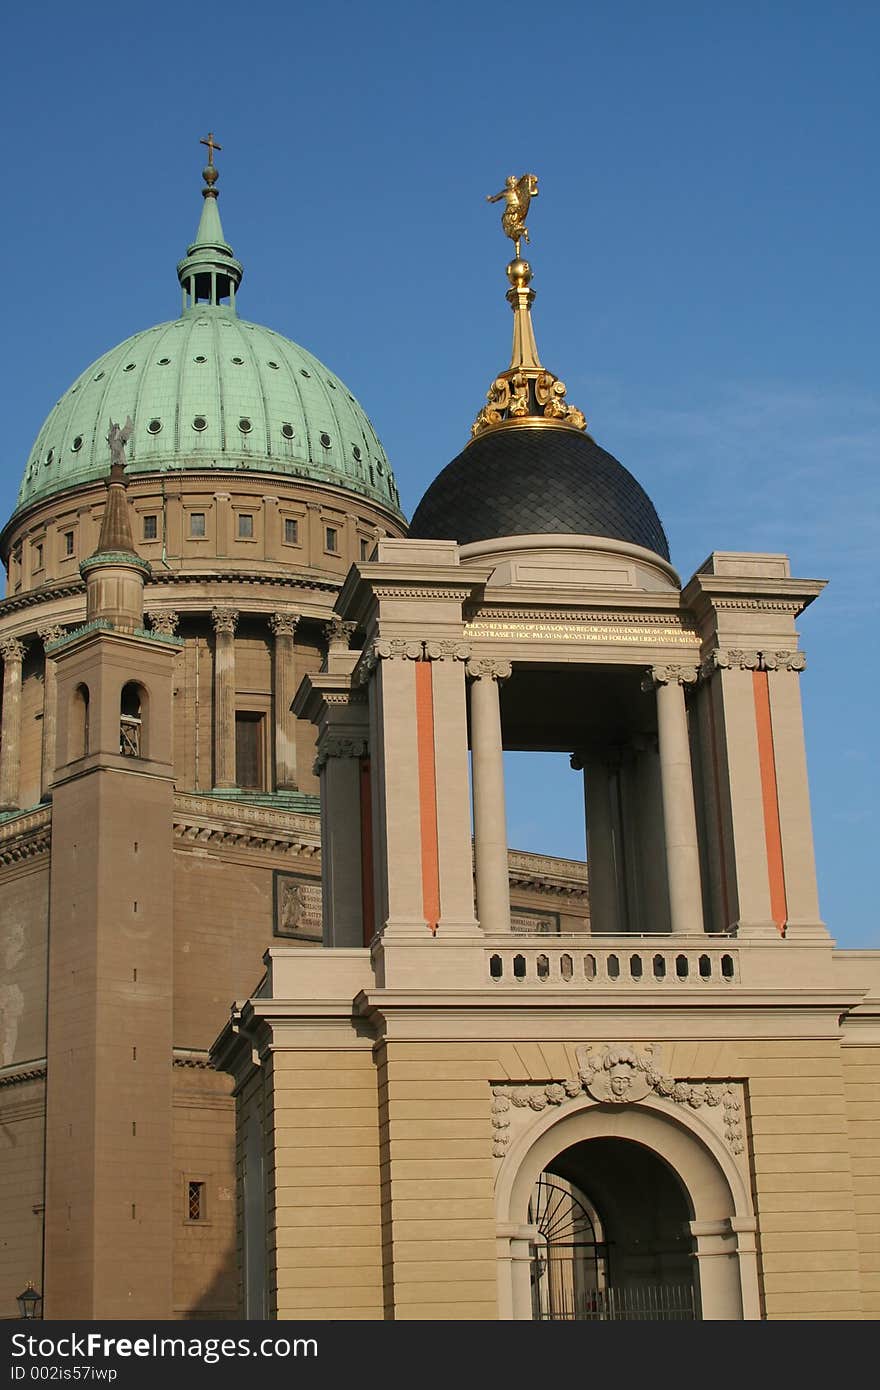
column 613, row 1240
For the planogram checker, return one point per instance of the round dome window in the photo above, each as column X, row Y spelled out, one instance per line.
column 303, row 372
column 200, row 358
column 287, row 430
column 325, row 440
column 238, row 361
column 77, row 443
column 164, row 361
column 49, row 457
column 357, row 453
column 97, row 376
column 200, row 423
column 274, row 366
column 154, row 426
column 245, row 425
column 129, row 366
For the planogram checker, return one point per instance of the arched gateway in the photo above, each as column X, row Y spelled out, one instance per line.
column 674, row 1216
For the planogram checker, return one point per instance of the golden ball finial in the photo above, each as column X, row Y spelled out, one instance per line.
column 519, row 273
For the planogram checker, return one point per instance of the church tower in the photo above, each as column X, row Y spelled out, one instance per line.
column 109, row 1093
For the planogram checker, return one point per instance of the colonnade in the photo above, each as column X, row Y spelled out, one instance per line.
column 285, row 679
column 606, row 866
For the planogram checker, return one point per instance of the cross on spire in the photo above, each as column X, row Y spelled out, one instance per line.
column 212, row 146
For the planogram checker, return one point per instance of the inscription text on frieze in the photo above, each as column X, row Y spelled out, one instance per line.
column 548, row 630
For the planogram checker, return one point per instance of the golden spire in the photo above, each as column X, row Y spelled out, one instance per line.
column 526, row 394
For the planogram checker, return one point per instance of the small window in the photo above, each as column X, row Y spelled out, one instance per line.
column 151, row 528
column 245, row 526
column 199, row 422
column 287, row 430
column 68, row 542
column 195, row 1201
column 331, row 538
column 291, row 531
column 249, row 751
column 38, row 557
column 197, row 523
column 365, row 549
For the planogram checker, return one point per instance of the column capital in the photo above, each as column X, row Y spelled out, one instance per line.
column 12, row 649
column 284, row 624
column 669, row 675
column 737, row 659
column 386, row 649
column 163, row 620
column 337, row 747
column 338, row 633
column 52, row 632
column 224, row 619
column 485, row 667
column 447, row 650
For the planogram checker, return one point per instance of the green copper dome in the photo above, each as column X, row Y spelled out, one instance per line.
column 209, row 390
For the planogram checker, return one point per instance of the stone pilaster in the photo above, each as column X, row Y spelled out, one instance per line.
column 490, row 821
column 679, row 816
column 283, row 626
column 50, row 711
column 12, row 651
column 224, row 620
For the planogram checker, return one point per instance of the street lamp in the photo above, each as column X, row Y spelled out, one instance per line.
column 29, row 1301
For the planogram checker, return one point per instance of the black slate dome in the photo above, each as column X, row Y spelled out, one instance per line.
column 537, row 481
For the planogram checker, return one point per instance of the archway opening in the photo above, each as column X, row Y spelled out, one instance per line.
column 132, row 720
column 613, row 1237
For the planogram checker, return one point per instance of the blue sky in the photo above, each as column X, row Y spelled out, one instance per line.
column 704, row 248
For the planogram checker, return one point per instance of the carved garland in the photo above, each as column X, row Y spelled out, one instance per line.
column 618, row 1075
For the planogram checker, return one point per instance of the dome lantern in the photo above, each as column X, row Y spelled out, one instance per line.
column 209, row 273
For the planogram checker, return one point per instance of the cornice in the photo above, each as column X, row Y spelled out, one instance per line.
column 224, row 825
column 25, row 836
column 27, row 1071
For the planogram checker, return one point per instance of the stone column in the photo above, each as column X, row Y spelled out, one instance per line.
column 338, row 764
column 50, row 711
column 12, row 652
column 283, row 627
column 676, row 779
column 490, row 821
column 224, row 620
column 602, row 876
column 718, row 1264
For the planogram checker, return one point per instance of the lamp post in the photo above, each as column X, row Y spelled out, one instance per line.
column 30, row 1302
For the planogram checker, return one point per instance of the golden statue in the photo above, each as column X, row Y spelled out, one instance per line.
column 517, row 194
